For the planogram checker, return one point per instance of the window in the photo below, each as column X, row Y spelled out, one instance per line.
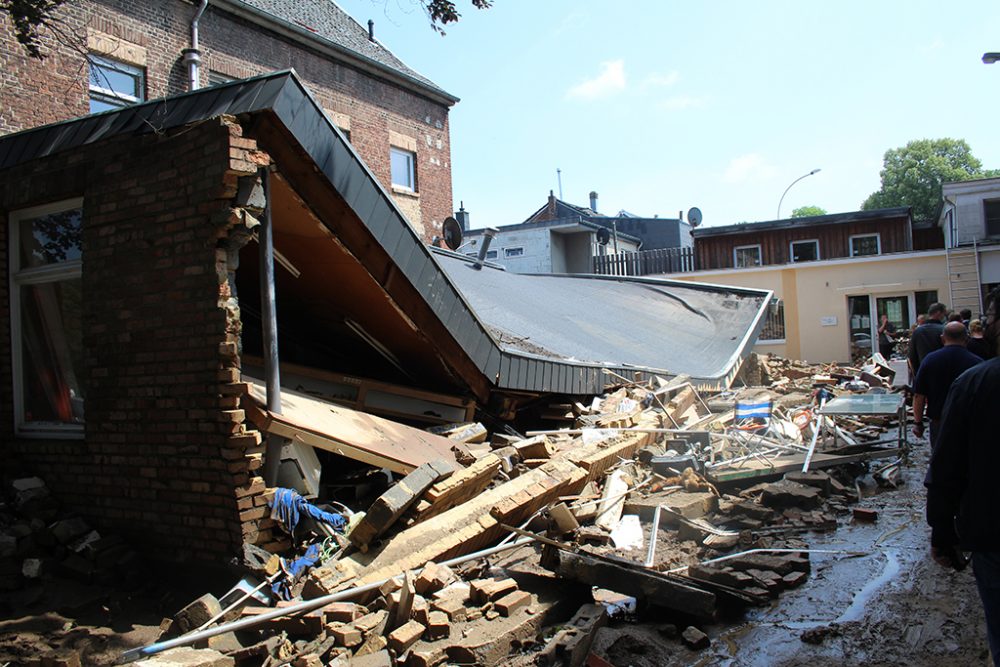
column 114, row 84
column 218, row 78
column 865, row 244
column 991, row 212
column 774, row 323
column 804, row 251
column 922, row 302
column 402, row 164
column 47, row 333
column 513, row 252
column 746, row 255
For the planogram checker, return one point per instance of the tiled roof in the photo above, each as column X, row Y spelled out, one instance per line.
column 327, row 22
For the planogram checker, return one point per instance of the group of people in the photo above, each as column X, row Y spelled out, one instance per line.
column 956, row 385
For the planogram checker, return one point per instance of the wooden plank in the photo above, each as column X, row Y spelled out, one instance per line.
column 755, row 469
column 343, row 431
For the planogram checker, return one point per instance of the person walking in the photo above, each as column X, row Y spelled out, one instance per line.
column 927, row 337
column 937, row 372
column 962, row 487
column 977, row 343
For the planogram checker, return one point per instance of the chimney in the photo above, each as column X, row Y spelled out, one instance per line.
column 462, row 216
column 551, row 210
column 680, row 215
column 371, row 30
column 488, row 235
column 593, row 201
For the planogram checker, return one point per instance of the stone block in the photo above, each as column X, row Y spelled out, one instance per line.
column 197, row 613
column 511, row 603
column 488, row 590
column 405, row 636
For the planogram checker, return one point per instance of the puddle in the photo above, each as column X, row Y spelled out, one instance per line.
column 857, row 608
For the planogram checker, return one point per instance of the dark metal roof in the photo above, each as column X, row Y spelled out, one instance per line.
column 660, row 326
column 571, row 365
column 325, row 22
column 808, row 221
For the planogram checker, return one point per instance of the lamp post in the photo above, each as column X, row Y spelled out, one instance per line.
column 814, row 171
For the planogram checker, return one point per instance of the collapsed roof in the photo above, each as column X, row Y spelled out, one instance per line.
column 478, row 331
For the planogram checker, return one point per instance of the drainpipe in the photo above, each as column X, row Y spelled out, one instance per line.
column 192, row 56
column 269, row 323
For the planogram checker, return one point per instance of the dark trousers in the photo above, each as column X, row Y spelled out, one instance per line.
column 934, row 427
column 986, row 566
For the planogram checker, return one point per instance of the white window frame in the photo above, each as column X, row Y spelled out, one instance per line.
column 109, row 95
column 791, row 251
column 411, row 158
column 760, row 255
column 515, row 251
column 878, row 243
column 18, row 278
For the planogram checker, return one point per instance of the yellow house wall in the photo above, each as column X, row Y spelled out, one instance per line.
column 819, row 290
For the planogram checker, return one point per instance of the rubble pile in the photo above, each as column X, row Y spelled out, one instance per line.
column 651, row 497
column 38, row 537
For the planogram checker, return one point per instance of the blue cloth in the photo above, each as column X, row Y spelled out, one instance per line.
column 986, row 566
column 293, row 569
column 288, row 506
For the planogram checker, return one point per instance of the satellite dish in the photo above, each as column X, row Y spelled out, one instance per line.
column 694, row 216
column 452, row 233
column 603, row 235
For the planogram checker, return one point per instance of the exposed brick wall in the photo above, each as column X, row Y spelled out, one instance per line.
column 167, row 459
column 35, row 93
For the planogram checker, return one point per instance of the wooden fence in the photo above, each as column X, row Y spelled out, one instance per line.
column 645, row 262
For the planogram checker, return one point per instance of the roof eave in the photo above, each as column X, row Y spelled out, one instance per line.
column 328, row 47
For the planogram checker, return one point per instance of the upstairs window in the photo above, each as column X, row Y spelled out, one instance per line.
column 513, row 252
column 804, row 251
column 46, row 324
column 114, row 84
column 746, row 255
column 991, row 212
column 865, row 244
column 403, row 166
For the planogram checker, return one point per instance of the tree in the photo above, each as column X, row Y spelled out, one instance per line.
column 442, row 12
column 806, row 211
column 912, row 175
column 29, row 17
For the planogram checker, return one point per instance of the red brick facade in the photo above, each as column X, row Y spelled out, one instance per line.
column 154, row 32
column 167, row 460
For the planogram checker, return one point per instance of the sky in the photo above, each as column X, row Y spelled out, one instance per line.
column 661, row 105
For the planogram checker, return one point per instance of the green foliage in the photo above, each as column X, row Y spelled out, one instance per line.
column 806, row 211
column 28, row 17
column 912, row 175
column 442, row 12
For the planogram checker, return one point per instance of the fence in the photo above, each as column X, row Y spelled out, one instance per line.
column 646, row 262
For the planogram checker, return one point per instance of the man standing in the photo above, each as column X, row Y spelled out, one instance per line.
column 938, row 370
column 927, row 337
column 886, row 337
column 962, row 487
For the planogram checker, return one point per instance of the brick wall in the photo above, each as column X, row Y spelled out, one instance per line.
column 167, row 459
column 37, row 93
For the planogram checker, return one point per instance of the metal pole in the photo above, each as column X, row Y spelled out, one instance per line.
column 304, row 607
column 269, row 323
column 812, row 445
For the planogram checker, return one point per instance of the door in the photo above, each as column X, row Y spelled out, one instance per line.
column 859, row 310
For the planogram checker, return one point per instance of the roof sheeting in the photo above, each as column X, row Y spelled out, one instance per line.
column 658, row 325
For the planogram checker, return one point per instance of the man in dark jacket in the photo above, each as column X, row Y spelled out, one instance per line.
column 938, row 370
column 962, row 487
column 927, row 337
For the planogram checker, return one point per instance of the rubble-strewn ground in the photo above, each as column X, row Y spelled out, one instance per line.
column 892, row 607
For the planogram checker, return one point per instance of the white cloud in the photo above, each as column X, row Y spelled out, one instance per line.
column 678, row 102
column 609, row 81
column 747, row 168
column 657, row 80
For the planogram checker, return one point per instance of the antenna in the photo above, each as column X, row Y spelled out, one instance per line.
column 452, row 231
column 559, row 178
column 694, row 216
column 603, row 235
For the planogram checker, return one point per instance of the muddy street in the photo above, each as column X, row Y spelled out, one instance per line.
column 891, row 606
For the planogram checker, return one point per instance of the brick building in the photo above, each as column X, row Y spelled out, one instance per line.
column 115, row 52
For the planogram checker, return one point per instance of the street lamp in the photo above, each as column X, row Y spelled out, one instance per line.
column 814, row 171
column 990, row 57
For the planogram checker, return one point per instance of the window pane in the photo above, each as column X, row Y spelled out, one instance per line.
column 50, row 239
column 747, row 257
column 864, row 245
column 99, row 104
column 401, row 163
column 52, row 352
column 805, row 251
column 107, row 78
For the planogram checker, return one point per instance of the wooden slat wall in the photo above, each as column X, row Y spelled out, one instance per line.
column 716, row 252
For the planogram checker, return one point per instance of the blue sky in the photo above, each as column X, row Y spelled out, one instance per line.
column 660, row 106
